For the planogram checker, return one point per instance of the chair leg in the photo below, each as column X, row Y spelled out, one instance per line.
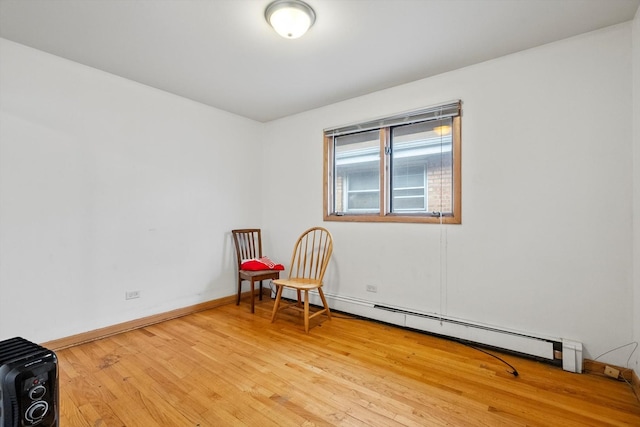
column 252, row 297
column 276, row 305
column 239, row 290
column 306, row 311
column 299, row 304
column 260, row 290
column 324, row 301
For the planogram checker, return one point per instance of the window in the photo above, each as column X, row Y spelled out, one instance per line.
column 404, row 168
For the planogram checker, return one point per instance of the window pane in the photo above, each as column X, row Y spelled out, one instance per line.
column 364, row 181
column 421, row 159
column 405, row 175
column 409, row 204
column 408, row 190
column 357, row 172
column 363, row 201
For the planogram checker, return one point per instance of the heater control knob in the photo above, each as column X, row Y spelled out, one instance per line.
column 36, row 411
column 37, row 392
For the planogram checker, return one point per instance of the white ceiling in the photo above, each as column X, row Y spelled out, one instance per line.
column 224, row 54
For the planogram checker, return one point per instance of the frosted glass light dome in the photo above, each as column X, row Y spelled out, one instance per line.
column 290, row 18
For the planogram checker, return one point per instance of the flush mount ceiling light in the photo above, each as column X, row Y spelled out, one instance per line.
column 290, row 18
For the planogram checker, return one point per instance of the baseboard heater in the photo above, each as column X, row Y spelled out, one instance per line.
column 559, row 351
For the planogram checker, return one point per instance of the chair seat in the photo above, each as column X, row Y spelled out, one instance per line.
column 301, row 284
column 259, row 274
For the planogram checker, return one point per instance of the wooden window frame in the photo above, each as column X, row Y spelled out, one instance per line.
column 385, row 214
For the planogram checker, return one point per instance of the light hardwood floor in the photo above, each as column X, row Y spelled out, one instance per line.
column 226, row 367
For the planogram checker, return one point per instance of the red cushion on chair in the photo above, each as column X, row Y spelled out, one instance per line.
column 257, row 264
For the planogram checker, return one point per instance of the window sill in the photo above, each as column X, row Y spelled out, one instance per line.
column 421, row 219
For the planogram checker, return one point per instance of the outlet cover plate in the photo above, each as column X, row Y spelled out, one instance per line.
column 131, row 294
column 611, row 372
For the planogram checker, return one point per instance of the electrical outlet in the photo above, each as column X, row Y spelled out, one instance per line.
column 131, row 294
column 372, row 288
column 611, row 372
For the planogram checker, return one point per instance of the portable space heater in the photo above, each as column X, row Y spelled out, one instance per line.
column 28, row 384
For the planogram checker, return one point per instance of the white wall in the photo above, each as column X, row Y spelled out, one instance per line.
column 636, row 188
column 107, row 185
column 545, row 245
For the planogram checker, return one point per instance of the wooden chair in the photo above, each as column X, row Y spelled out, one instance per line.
column 309, row 262
column 248, row 242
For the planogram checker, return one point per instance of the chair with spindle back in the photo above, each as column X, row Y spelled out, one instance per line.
column 309, row 262
column 248, row 242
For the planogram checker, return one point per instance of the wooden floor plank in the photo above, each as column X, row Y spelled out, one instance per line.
column 226, row 366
